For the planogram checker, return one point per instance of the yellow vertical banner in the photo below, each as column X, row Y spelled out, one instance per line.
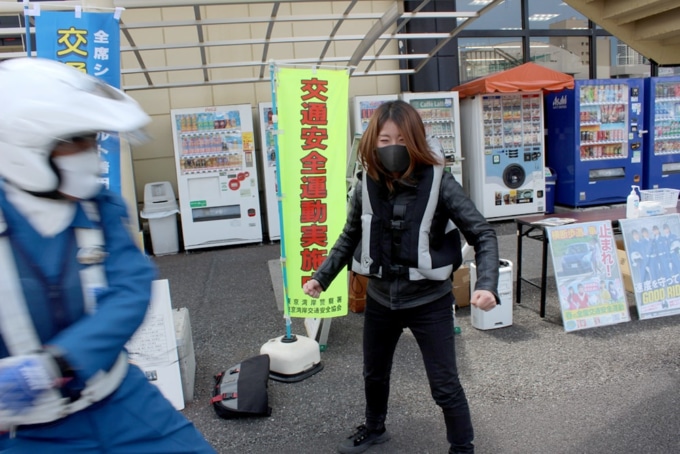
column 312, row 142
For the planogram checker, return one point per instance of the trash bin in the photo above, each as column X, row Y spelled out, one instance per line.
column 501, row 315
column 160, row 209
column 550, row 180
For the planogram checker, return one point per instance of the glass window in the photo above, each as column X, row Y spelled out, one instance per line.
column 669, row 71
column 13, row 42
column 506, row 16
column 555, row 15
column 606, row 54
column 566, row 54
column 617, row 60
column 480, row 57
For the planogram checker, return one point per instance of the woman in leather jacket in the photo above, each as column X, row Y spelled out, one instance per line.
column 401, row 232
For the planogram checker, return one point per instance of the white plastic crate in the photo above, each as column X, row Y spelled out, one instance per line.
column 667, row 197
column 185, row 352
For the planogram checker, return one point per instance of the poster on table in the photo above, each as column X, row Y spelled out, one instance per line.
column 312, row 151
column 589, row 283
column 88, row 42
column 653, row 252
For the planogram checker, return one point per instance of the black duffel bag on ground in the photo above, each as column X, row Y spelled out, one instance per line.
column 242, row 390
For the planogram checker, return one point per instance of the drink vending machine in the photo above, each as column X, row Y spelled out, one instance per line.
column 363, row 108
column 502, row 139
column 594, row 140
column 217, row 175
column 268, row 156
column 441, row 117
column 662, row 142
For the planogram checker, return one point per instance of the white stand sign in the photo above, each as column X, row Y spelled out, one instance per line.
column 153, row 348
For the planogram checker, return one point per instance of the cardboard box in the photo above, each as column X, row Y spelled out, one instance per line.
column 461, row 286
column 623, row 265
column 357, row 292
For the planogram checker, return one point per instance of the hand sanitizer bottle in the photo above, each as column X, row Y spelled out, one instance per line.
column 632, row 203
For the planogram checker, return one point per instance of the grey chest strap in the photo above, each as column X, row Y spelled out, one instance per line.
column 91, row 252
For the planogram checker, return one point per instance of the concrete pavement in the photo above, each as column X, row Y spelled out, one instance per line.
column 532, row 387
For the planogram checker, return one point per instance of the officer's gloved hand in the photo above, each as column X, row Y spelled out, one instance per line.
column 24, row 379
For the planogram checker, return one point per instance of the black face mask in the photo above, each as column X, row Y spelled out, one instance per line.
column 395, row 158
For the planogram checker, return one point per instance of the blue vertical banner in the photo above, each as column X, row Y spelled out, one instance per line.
column 88, row 42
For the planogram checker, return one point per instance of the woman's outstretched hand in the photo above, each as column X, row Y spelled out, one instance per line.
column 483, row 299
column 312, row 288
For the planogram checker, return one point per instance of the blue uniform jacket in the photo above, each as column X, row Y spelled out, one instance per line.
column 50, row 279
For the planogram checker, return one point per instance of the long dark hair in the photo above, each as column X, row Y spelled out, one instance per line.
column 410, row 126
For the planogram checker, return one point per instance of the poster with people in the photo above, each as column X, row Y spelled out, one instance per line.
column 589, row 283
column 653, row 251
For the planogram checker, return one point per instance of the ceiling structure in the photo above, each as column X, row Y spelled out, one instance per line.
column 356, row 36
column 369, row 41
column 372, row 38
column 651, row 27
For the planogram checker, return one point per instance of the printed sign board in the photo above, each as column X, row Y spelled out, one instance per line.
column 589, row 282
column 653, row 251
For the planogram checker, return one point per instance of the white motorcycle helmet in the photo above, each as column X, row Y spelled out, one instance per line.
column 44, row 101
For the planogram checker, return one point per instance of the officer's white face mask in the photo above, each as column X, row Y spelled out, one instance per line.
column 79, row 173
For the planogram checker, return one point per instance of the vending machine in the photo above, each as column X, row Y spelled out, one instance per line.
column 268, row 160
column 363, row 108
column 662, row 143
column 441, row 116
column 595, row 140
column 217, row 176
column 502, row 143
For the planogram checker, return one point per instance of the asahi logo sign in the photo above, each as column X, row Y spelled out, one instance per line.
column 560, row 102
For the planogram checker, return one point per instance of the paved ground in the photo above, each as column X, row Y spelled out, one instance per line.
column 532, row 387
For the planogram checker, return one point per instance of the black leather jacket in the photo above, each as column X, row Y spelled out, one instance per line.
column 401, row 293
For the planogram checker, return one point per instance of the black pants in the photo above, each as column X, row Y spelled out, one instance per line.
column 432, row 326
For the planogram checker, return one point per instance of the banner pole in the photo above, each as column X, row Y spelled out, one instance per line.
column 27, row 24
column 279, row 196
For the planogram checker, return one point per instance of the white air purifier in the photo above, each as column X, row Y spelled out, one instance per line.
column 501, row 315
column 292, row 359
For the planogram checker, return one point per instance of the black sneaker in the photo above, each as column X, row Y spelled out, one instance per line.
column 362, row 439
